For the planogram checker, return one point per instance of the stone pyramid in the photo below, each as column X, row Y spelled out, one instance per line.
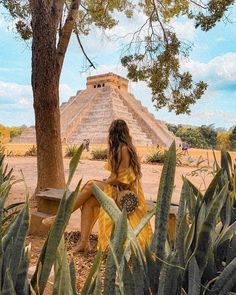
column 90, row 113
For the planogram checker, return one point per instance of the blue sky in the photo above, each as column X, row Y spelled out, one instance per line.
column 212, row 59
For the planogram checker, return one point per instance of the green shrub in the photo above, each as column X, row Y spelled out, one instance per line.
column 71, row 150
column 99, row 154
column 32, row 151
column 157, row 156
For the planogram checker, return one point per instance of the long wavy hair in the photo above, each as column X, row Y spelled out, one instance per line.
column 119, row 136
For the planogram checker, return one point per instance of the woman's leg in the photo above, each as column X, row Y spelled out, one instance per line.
column 81, row 199
column 89, row 215
column 86, row 194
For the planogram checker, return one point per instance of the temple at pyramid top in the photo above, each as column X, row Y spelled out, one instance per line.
column 89, row 113
column 108, row 79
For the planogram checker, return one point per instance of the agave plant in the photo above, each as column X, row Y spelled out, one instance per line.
column 203, row 257
column 14, row 255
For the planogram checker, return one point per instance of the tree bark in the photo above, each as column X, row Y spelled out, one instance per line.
column 45, row 84
column 48, row 51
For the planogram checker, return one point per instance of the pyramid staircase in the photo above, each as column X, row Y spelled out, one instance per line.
column 90, row 112
column 107, row 106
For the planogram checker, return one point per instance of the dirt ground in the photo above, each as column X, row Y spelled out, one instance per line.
column 88, row 169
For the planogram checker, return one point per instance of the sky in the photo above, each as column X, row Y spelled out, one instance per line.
column 212, row 59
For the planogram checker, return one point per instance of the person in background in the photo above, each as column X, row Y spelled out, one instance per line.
column 185, row 147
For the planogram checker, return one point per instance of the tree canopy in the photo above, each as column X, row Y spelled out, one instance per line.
column 154, row 52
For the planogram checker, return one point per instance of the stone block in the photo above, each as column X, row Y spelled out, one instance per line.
column 36, row 226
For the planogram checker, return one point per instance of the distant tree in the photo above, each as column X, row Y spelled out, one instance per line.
column 223, row 141
column 15, row 131
column 4, row 134
column 232, row 138
column 192, row 136
column 173, row 128
column 209, row 134
column 153, row 55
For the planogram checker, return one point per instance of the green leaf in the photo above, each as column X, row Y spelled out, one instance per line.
column 107, row 203
column 204, row 241
column 194, row 277
column 73, row 276
column 48, row 254
column 227, row 234
column 163, row 206
column 93, row 271
column 62, row 282
column 225, row 165
column 226, row 280
column 128, row 279
column 144, row 221
column 195, row 190
column 117, row 243
column 138, row 275
column 98, row 285
column 19, row 244
column 8, row 286
column 22, row 283
column 170, row 279
column 216, row 182
column 74, row 163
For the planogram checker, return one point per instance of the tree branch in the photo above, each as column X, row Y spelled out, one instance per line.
column 82, row 48
column 201, row 5
column 66, row 32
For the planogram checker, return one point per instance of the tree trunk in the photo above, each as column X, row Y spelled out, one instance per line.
column 45, row 83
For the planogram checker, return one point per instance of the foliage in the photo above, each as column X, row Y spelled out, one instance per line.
column 31, row 152
column 6, row 181
column 232, row 138
column 71, row 150
column 157, row 157
column 99, row 154
column 8, row 133
column 192, row 136
column 209, row 134
column 205, row 136
column 223, row 141
column 202, row 259
column 156, row 59
column 199, row 137
column 14, row 258
column 15, row 131
column 154, row 51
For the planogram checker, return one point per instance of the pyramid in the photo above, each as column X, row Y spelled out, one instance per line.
column 90, row 112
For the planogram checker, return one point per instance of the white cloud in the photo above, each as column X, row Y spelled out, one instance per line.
column 16, row 102
column 65, row 92
column 7, row 24
column 220, row 69
column 184, row 30
column 15, row 93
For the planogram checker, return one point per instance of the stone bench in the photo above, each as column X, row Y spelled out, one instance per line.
column 172, row 217
column 49, row 201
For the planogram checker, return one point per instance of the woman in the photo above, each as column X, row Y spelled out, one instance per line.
column 125, row 171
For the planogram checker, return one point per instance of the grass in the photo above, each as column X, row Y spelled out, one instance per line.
column 99, row 154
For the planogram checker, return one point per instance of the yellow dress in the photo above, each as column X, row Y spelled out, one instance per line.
column 125, row 176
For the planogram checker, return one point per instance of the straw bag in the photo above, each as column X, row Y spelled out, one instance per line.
column 125, row 198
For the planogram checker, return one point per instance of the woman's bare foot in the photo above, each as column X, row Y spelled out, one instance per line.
column 83, row 246
column 49, row 221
